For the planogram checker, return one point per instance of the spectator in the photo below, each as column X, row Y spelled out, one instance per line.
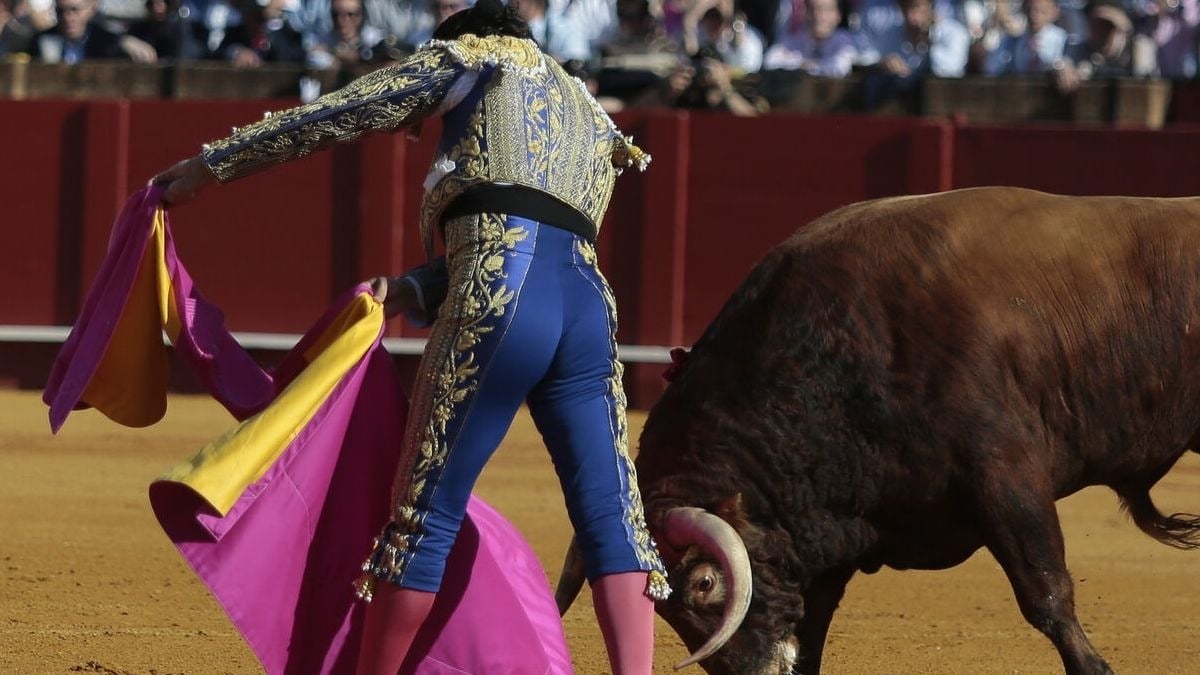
column 923, row 44
column 405, row 24
column 597, row 18
column 16, row 27
column 263, row 36
column 705, row 84
column 1170, row 30
column 581, row 70
column 216, row 19
column 558, row 34
column 818, row 46
column 351, row 42
column 169, row 29
column 774, row 19
column 1042, row 48
column 713, row 24
column 875, row 22
column 638, row 31
column 988, row 22
column 1073, row 18
column 78, row 36
column 1109, row 50
column 638, row 57
column 712, row 87
column 420, row 28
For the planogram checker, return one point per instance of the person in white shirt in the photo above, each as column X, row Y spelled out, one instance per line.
column 558, row 34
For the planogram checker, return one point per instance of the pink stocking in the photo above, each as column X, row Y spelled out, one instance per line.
column 393, row 619
column 626, row 619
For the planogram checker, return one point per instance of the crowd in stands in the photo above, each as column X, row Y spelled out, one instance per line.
column 682, row 53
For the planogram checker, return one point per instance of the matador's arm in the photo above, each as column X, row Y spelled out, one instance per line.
column 391, row 98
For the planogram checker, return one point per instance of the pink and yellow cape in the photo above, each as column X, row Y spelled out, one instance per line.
column 276, row 515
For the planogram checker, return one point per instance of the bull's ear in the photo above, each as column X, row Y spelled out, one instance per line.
column 732, row 511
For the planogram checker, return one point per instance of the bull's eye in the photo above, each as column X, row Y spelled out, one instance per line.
column 705, row 584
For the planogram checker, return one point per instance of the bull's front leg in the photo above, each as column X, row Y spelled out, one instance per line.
column 1022, row 531
column 820, row 601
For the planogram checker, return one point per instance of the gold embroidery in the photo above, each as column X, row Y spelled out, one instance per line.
column 470, row 165
column 474, row 52
column 449, row 374
column 387, row 99
column 644, row 546
column 539, row 129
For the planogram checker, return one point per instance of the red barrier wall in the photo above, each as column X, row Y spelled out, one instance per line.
column 43, row 148
column 1080, row 161
column 275, row 248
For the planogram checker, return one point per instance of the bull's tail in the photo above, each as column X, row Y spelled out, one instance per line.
column 1181, row 530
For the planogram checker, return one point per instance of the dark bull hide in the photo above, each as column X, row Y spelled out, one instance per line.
column 907, row 380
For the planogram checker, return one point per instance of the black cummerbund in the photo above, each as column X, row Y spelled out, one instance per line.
column 518, row 200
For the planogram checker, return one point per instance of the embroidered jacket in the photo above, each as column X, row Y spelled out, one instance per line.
column 511, row 115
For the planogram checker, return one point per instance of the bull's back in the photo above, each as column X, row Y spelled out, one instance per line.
column 1037, row 315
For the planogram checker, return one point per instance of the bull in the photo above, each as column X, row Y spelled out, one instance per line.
column 906, row 380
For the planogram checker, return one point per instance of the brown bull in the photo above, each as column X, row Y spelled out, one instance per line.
column 907, row 380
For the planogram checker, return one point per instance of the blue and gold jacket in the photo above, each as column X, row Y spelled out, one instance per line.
column 511, row 115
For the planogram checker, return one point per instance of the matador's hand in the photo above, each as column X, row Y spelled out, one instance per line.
column 184, row 180
column 396, row 294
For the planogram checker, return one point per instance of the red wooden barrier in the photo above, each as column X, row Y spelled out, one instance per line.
column 41, row 145
column 1080, row 161
column 274, row 248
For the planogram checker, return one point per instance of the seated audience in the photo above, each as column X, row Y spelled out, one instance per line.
column 169, row 29
column 988, row 22
column 1169, row 34
column 706, row 84
column 1041, row 49
column 818, row 46
column 597, row 19
column 416, row 29
column 557, row 33
column 712, row 24
column 1109, row 49
column 871, row 20
column 638, row 32
column 16, row 27
column 776, row 19
column 638, row 54
column 923, row 44
column 351, row 42
column 216, row 18
column 78, row 35
column 263, row 36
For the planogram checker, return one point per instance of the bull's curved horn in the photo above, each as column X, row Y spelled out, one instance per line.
column 687, row 525
column 570, row 582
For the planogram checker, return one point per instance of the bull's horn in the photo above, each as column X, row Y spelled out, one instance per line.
column 687, row 525
column 570, row 582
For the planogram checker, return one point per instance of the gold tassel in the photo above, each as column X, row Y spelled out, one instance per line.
column 364, row 587
column 657, row 586
column 637, row 157
column 626, row 154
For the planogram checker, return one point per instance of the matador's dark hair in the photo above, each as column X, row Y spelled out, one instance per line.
column 487, row 17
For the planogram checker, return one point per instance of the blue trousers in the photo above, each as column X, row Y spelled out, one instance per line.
column 528, row 319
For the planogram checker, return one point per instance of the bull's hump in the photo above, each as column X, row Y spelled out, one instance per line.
column 993, row 230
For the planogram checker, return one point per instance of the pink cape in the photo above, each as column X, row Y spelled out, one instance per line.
column 276, row 515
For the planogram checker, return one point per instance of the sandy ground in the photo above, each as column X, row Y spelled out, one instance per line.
column 88, row 582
